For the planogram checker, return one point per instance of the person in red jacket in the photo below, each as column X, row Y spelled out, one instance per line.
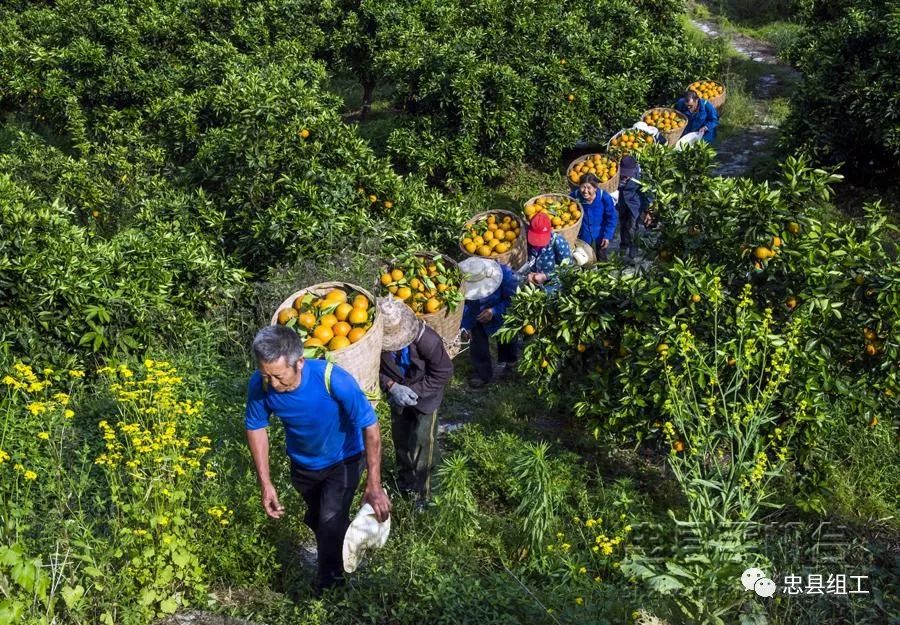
column 415, row 368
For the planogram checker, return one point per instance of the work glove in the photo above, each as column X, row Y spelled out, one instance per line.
column 401, row 396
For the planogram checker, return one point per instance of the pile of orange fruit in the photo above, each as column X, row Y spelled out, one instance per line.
column 426, row 283
column 600, row 165
column 665, row 120
column 630, row 141
column 492, row 236
column 563, row 211
column 706, row 89
column 331, row 322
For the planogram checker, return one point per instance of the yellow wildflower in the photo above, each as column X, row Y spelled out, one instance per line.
column 579, row 600
column 582, row 570
column 3, row 456
column 36, row 408
column 75, row 373
column 44, row 436
column 30, row 475
column 68, row 414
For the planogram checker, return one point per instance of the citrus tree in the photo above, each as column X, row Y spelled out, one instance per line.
column 596, row 346
column 490, row 83
column 846, row 107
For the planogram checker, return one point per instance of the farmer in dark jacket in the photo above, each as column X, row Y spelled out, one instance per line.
column 547, row 250
column 415, row 368
column 701, row 114
column 599, row 221
column 633, row 205
column 489, row 287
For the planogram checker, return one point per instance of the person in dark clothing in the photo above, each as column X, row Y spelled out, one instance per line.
column 489, row 287
column 633, row 205
column 331, row 434
column 415, row 368
column 702, row 115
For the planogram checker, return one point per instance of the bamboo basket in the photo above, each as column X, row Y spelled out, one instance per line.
column 362, row 359
column 444, row 321
column 620, row 133
column 719, row 100
column 672, row 136
column 609, row 186
column 569, row 233
column 517, row 253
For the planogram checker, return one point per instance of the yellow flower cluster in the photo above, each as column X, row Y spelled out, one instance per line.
column 148, row 445
column 222, row 514
column 758, row 471
column 25, row 379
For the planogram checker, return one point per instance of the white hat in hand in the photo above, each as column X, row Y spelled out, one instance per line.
column 364, row 533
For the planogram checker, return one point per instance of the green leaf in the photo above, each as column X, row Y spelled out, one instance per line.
column 168, row 606
column 72, row 596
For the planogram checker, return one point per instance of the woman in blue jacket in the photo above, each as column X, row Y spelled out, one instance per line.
column 488, row 287
column 701, row 114
column 600, row 217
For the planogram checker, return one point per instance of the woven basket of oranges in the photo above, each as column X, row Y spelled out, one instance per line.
column 431, row 284
column 605, row 167
column 565, row 213
column 338, row 321
column 670, row 123
column 709, row 90
column 496, row 234
column 628, row 142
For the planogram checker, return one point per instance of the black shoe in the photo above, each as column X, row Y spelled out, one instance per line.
column 476, row 382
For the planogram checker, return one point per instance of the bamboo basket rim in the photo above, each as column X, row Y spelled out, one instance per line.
column 367, row 350
column 570, row 231
column 430, row 253
column 518, row 245
column 610, row 185
column 671, row 136
column 608, row 143
column 665, row 108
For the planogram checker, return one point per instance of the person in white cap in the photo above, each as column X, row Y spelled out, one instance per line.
column 415, row 368
column 488, row 287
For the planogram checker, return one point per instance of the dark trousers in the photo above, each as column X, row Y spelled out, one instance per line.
column 480, row 351
column 628, row 227
column 328, row 494
column 415, row 444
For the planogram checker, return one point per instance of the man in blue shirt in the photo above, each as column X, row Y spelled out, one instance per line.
column 702, row 115
column 328, row 424
column 489, row 287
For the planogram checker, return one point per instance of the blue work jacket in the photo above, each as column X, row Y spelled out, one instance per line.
column 706, row 115
column 600, row 217
column 499, row 300
column 632, row 196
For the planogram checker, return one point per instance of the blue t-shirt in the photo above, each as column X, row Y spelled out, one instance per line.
column 320, row 429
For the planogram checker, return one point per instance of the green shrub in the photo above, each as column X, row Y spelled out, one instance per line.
column 845, row 106
column 62, row 282
column 490, row 83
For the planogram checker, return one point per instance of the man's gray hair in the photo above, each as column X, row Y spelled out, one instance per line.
column 275, row 342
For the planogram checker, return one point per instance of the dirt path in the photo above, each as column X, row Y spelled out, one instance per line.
column 740, row 151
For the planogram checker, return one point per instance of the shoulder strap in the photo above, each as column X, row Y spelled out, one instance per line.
column 329, row 366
